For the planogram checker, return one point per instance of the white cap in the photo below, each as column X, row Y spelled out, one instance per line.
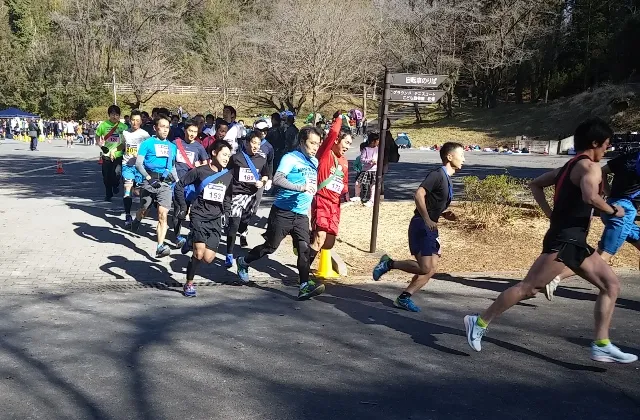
column 261, row 125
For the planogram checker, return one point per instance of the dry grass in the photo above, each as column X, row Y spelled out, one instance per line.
column 509, row 247
column 500, row 126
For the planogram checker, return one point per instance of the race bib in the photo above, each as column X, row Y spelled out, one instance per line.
column 336, row 186
column 246, row 175
column 214, row 192
column 162, row 150
column 190, row 155
column 132, row 150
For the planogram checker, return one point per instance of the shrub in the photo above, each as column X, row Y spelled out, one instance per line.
column 498, row 199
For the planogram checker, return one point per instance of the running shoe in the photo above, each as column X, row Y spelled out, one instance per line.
column 135, row 225
column 382, row 268
column 369, row 203
column 128, row 221
column 187, row 245
column 180, row 241
column 243, row 240
column 189, row 290
column 228, row 262
column 474, row 332
column 406, row 304
column 355, row 200
column 550, row 288
column 309, row 290
column 243, row 270
column 163, row 251
column 611, row 354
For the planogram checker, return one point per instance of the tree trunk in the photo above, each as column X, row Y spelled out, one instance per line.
column 449, row 104
column 417, row 111
column 313, row 102
column 364, row 100
column 519, row 85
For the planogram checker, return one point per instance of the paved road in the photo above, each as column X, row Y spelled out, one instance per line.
column 84, row 336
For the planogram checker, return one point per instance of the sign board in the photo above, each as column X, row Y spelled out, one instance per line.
column 417, row 80
column 415, row 95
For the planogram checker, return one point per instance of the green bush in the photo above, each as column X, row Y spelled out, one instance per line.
column 497, row 199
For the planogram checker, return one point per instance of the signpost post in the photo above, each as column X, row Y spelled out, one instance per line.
column 423, row 92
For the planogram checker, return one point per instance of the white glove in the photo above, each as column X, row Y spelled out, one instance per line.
column 267, row 186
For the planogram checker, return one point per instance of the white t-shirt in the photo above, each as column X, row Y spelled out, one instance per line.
column 132, row 142
column 234, row 133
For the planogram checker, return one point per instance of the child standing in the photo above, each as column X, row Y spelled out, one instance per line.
column 366, row 178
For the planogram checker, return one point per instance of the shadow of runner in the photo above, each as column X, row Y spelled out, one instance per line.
column 422, row 332
column 499, row 285
column 141, row 271
column 108, row 235
column 348, row 300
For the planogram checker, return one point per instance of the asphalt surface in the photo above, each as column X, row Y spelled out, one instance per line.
column 83, row 336
column 258, row 353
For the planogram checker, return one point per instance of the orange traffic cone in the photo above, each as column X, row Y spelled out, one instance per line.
column 59, row 169
column 325, row 267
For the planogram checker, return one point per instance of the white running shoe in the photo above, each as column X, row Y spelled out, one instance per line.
column 369, row 203
column 474, row 332
column 355, row 199
column 550, row 288
column 611, row 354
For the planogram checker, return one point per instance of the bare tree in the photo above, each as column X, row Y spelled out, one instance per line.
column 311, row 51
column 145, row 35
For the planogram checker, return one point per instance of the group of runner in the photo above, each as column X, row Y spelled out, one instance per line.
column 217, row 180
column 218, row 183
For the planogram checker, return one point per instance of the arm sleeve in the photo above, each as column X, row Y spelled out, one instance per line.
column 280, row 180
column 270, row 157
column 203, row 157
column 140, row 166
column 189, row 178
column 228, row 199
column 325, row 147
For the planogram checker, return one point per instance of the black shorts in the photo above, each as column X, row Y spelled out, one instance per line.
column 283, row 223
column 572, row 249
column 207, row 232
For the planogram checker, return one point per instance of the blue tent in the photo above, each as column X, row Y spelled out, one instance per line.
column 16, row 113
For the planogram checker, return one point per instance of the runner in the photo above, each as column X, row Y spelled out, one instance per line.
column 191, row 154
column 108, row 134
column 565, row 244
column 250, row 173
column 261, row 127
column 155, row 161
column 333, row 183
column 297, row 179
column 213, row 201
column 131, row 139
column 432, row 198
column 624, row 192
column 235, row 130
column 221, row 130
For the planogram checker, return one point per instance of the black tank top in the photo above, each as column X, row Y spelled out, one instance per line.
column 571, row 216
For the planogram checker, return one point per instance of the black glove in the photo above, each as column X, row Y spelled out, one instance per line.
column 105, row 150
column 182, row 214
column 155, row 183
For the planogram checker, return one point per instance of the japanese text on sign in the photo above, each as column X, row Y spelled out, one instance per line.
column 410, row 95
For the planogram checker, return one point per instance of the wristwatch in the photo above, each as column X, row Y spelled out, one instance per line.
column 615, row 211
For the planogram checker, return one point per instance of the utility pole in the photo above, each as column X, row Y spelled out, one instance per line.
column 115, row 101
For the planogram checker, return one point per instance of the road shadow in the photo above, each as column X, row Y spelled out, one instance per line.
column 500, row 284
column 101, row 234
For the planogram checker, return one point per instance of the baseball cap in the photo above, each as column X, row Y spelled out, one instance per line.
column 261, row 125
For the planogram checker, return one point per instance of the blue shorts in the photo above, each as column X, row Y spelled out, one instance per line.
column 617, row 230
column 423, row 241
column 130, row 173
